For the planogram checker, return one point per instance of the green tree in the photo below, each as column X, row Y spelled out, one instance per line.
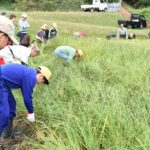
column 138, row 3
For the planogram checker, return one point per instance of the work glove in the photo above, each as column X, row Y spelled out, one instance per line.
column 30, row 117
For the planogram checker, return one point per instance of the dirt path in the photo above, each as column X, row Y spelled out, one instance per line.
column 125, row 12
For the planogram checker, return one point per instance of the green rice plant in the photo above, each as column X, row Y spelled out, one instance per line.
column 98, row 103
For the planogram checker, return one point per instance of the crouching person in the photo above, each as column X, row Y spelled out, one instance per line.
column 131, row 36
column 18, row 54
column 68, row 53
column 15, row 76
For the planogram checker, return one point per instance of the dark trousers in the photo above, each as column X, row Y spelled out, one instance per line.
column 123, row 36
column 21, row 35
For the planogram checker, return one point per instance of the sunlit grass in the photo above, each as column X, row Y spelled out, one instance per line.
column 101, row 102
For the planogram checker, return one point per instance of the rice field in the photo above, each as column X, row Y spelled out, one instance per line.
column 99, row 103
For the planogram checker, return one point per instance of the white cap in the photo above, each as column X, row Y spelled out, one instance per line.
column 24, row 15
column 7, row 27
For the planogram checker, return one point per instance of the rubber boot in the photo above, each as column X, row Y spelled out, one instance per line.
column 7, row 133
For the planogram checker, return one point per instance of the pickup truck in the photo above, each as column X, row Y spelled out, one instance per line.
column 98, row 5
column 136, row 21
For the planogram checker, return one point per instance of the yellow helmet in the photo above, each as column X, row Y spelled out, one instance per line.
column 45, row 72
column 80, row 53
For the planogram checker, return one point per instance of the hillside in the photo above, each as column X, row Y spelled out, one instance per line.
column 100, row 102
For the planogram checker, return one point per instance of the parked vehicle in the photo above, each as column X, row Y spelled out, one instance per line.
column 136, row 21
column 98, row 5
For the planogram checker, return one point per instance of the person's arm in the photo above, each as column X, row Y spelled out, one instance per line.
column 118, row 33
column 28, row 84
column 126, row 33
column 20, row 23
column 71, row 56
column 38, row 36
column 71, row 53
column 28, row 25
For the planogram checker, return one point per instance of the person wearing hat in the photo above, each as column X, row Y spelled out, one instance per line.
column 122, row 32
column 23, row 26
column 18, row 54
column 68, row 53
column 15, row 76
column 40, row 35
column 53, row 31
column 131, row 36
column 46, row 30
column 6, row 32
column 12, row 17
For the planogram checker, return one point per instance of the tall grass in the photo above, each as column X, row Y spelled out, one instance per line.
column 100, row 102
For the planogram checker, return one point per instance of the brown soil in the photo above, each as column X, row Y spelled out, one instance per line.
column 125, row 12
column 18, row 142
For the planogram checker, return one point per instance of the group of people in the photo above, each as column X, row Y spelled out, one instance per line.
column 42, row 35
column 46, row 33
column 123, row 33
column 16, row 74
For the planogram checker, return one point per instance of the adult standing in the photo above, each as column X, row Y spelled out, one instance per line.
column 15, row 76
column 122, row 32
column 23, row 26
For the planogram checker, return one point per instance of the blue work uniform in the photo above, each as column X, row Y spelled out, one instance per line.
column 15, row 76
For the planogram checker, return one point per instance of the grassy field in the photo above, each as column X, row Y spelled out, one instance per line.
column 99, row 103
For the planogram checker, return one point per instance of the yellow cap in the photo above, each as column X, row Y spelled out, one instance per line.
column 45, row 72
column 80, row 53
column 54, row 25
column 43, row 27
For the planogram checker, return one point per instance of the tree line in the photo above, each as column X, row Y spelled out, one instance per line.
column 138, row 3
column 66, row 5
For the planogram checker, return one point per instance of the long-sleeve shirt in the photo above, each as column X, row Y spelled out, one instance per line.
column 23, row 26
column 122, row 31
column 15, row 54
column 66, row 52
column 23, row 77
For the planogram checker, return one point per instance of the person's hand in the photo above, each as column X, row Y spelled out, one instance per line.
column 30, row 117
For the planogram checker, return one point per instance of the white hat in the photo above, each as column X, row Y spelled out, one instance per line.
column 24, row 15
column 7, row 27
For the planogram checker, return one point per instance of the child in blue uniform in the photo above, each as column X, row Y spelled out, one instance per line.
column 14, row 76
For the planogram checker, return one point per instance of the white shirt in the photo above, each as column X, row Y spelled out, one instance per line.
column 23, row 26
column 122, row 31
column 21, row 53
